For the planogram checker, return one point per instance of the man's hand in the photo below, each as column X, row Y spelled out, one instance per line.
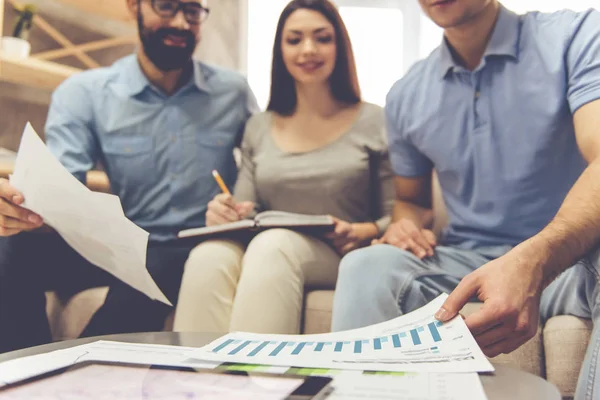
column 407, row 236
column 344, row 237
column 510, row 288
column 14, row 218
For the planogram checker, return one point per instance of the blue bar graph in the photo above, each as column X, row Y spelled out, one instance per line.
column 433, row 329
column 414, row 333
column 358, row 345
column 241, row 347
column 224, row 344
column 428, row 334
column 396, row 339
column 299, row 347
column 377, row 342
column 339, row 346
column 281, row 346
column 258, row 348
column 319, row 347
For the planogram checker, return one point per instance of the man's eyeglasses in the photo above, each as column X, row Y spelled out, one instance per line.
column 193, row 12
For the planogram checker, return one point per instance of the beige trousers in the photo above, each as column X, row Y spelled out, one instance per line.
column 258, row 289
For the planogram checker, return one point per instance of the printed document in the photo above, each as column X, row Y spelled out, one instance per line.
column 92, row 223
column 414, row 342
column 348, row 385
column 27, row 367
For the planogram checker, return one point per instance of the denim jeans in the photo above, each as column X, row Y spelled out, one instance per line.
column 382, row 282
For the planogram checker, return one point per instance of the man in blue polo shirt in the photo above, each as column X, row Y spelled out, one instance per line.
column 159, row 122
column 507, row 112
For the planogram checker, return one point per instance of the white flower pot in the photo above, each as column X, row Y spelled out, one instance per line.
column 14, row 47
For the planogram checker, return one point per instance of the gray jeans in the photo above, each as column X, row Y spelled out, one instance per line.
column 382, row 282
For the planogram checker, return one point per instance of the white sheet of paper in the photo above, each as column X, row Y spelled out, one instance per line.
column 93, row 224
column 109, row 201
column 23, row 368
column 361, row 385
column 418, row 386
column 412, row 342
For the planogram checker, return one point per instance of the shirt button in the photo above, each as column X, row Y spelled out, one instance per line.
column 173, row 139
column 477, row 94
column 173, row 209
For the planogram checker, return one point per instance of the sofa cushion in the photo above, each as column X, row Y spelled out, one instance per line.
column 317, row 319
column 317, row 311
column 565, row 341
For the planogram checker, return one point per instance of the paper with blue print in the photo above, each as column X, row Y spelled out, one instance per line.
column 415, row 342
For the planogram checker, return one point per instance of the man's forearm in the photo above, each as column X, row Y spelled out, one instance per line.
column 422, row 217
column 574, row 231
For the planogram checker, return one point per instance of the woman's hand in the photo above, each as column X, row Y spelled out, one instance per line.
column 345, row 237
column 224, row 209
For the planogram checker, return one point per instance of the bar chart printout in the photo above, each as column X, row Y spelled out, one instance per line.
column 413, row 342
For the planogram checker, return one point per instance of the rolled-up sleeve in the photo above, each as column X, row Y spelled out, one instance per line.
column 406, row 160
column 583, row 59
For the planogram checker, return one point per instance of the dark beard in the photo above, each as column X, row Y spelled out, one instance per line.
column 166, row 58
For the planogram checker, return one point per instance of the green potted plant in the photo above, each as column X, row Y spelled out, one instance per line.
column 17, row 45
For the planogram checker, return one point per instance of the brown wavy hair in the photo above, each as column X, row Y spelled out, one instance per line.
column 343, row 80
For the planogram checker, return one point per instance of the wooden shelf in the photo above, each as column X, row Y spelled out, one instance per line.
column 32, row 72
column 96, row 180
column 111, row 9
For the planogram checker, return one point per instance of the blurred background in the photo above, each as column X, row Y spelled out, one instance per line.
column 66, row 36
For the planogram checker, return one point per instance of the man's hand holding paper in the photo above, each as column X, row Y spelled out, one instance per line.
column 93, row 224
column 14, row 218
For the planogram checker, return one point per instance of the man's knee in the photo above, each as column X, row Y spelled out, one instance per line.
column 372, row 265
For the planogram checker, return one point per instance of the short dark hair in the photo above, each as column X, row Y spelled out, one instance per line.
column 343, row 80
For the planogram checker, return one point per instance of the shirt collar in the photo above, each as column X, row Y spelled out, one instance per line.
column 504, row 41
column 136, row 80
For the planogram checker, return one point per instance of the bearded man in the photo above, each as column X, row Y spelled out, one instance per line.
column 159, row 122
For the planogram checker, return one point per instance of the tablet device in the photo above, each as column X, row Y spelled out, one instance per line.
column 96, row 380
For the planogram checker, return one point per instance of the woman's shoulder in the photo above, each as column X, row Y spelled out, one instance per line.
column 371, row 124
column 259, row 120
column 371, row 115
column 257, row 127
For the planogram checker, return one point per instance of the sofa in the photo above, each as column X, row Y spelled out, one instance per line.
column 555, row 353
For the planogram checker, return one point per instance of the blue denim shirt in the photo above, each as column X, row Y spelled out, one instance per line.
column 500, row 137
column 158, row 151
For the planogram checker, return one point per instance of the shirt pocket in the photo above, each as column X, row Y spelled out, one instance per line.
column 130, row 160
column 215, row 151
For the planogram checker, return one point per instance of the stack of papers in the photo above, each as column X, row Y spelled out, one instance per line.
column 348, row 385
column 415, row 342
column 92, row 223
column 411, row 357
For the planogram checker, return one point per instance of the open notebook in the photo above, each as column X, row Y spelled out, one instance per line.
column 310, row 224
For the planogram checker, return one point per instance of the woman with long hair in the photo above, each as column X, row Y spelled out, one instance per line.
column 318, row 149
